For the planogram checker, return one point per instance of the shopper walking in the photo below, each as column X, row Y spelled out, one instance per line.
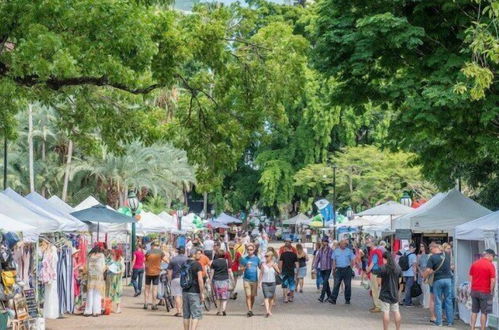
column 235, row 257
column 389, row 273
column 342, row 266
column 174, row 267
column 96, row 266
column 249, row 267
column 288, row 264
column 375, row 262
column 191, row 280
column 138, row 269
column 209, row 244
column 153, row 269
column 268, row 272
column 302, row 270
column 408, row 264
column 115, row 271
column 315, row 270
column 483, row 279
column 438, row 268
column 422, row 261
column 220, row 275
column 323, row 262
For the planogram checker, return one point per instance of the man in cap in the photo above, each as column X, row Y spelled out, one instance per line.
column 482, row 279
column 323, row 262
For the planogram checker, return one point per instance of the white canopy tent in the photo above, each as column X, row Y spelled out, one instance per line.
column 472, row 238
column 388, row 208
column 226, row 219
column 170, row 220
column 297, row 220
column 60, row 205
column 22, row 214
column 65, row 224
column 442, row 213
column 7, row 224
column 151, row 223
column 40, row 201
column 368, row 221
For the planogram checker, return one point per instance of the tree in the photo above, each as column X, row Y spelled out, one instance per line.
column 408, row 57
column 161, row 169
column 366, row 176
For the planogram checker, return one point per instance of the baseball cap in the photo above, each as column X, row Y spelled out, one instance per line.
column 325, row 239
column 490, row 251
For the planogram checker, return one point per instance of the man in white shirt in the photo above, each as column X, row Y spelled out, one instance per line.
column 208, row 247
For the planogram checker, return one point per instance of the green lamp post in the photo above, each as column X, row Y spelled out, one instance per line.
column 133, row 204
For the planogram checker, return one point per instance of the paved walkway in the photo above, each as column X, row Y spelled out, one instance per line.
column 305, row 313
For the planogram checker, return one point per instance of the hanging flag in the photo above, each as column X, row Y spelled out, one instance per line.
column 325, row 208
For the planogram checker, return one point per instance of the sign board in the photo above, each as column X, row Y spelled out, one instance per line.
column 405, row 234
column 31, row 304
column 21, row 307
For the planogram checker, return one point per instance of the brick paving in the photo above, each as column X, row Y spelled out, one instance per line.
column 304, row 313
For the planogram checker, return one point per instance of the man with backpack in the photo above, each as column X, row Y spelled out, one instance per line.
column 191, row 281
column 407, row 263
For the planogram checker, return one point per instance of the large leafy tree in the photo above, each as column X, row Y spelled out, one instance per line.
column 408, row 56
column 365, row 176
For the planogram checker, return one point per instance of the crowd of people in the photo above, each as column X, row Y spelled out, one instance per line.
column 198, row 264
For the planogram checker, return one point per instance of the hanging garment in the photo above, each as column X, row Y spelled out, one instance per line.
column 49, row 278
column 65, row 280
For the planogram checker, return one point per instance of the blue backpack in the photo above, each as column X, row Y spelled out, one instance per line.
column 186, row 280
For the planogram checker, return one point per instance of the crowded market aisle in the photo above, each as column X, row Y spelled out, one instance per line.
column 304, row 313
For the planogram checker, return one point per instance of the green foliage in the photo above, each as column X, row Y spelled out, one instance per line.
column 408, row 57
column 367, row 176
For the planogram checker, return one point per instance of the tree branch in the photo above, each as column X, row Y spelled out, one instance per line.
column 58, row 83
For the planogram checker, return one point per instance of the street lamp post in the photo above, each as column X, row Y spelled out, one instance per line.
column 406, row 199
column 133, row 204
column 5, row 161
column 334, row 200
column 180, row 214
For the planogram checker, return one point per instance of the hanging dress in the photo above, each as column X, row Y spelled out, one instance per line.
column 49, row 279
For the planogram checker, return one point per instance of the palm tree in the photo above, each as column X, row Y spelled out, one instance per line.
column 161, row 169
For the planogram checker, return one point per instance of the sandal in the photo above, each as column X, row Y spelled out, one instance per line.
column 218, row 313
column 224, row 313
column 177, row 315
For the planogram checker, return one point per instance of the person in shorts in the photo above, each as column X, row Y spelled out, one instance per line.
column 153, row 268
column 174, row 278
column 235, row 257
column 288, row 263
column 249, row 267
column 193, row 295
column 389, row 274
column 482, row 278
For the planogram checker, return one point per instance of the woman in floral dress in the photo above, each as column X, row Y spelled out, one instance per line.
column 116, row 268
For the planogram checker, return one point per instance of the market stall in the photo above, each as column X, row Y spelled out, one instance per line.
column 441, row 214
column 472, row 238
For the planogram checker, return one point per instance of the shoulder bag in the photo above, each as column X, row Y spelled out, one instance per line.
column 429, row 280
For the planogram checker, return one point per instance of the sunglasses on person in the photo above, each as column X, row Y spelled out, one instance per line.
column 268, row 255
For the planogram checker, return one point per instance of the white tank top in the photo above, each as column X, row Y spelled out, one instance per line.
column 268, row 274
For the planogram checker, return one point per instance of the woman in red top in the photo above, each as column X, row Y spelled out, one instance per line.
column 138, row 269
column 234, row 261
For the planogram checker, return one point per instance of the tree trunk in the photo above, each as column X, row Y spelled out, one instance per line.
column 66, row 172
column 30, row 144
column 205, row 204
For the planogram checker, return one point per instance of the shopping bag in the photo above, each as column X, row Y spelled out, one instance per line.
column 416, row 290
column 107, row 305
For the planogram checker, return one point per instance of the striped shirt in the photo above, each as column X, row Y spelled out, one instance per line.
column 323, row 259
